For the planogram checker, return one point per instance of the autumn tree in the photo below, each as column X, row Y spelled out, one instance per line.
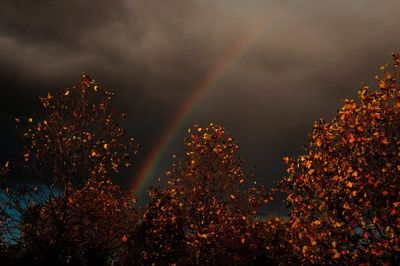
column 344, row 191
column 59, row 198
column 210, row 198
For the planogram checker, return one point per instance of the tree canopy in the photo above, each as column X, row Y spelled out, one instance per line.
column 343, row 192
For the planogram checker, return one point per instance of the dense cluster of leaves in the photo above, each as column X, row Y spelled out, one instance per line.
column 270, row 243
column 344, row 192
column 93, row 230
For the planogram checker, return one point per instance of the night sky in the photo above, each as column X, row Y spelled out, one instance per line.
column 304, row 57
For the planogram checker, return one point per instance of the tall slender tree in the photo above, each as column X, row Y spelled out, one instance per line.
column 211, row 198
column 59, row 199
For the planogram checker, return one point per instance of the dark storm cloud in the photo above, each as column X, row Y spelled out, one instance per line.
column 308, row 55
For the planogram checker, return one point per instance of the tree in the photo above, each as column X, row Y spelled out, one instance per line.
column 210, row 199
column 344, row 191
column 61, row 195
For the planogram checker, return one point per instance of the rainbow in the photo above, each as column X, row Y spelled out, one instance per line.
column 230, row 55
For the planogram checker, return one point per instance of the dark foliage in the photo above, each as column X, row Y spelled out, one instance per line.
column 60, row 203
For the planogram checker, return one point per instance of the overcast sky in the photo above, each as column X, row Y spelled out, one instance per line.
column 306, row 57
